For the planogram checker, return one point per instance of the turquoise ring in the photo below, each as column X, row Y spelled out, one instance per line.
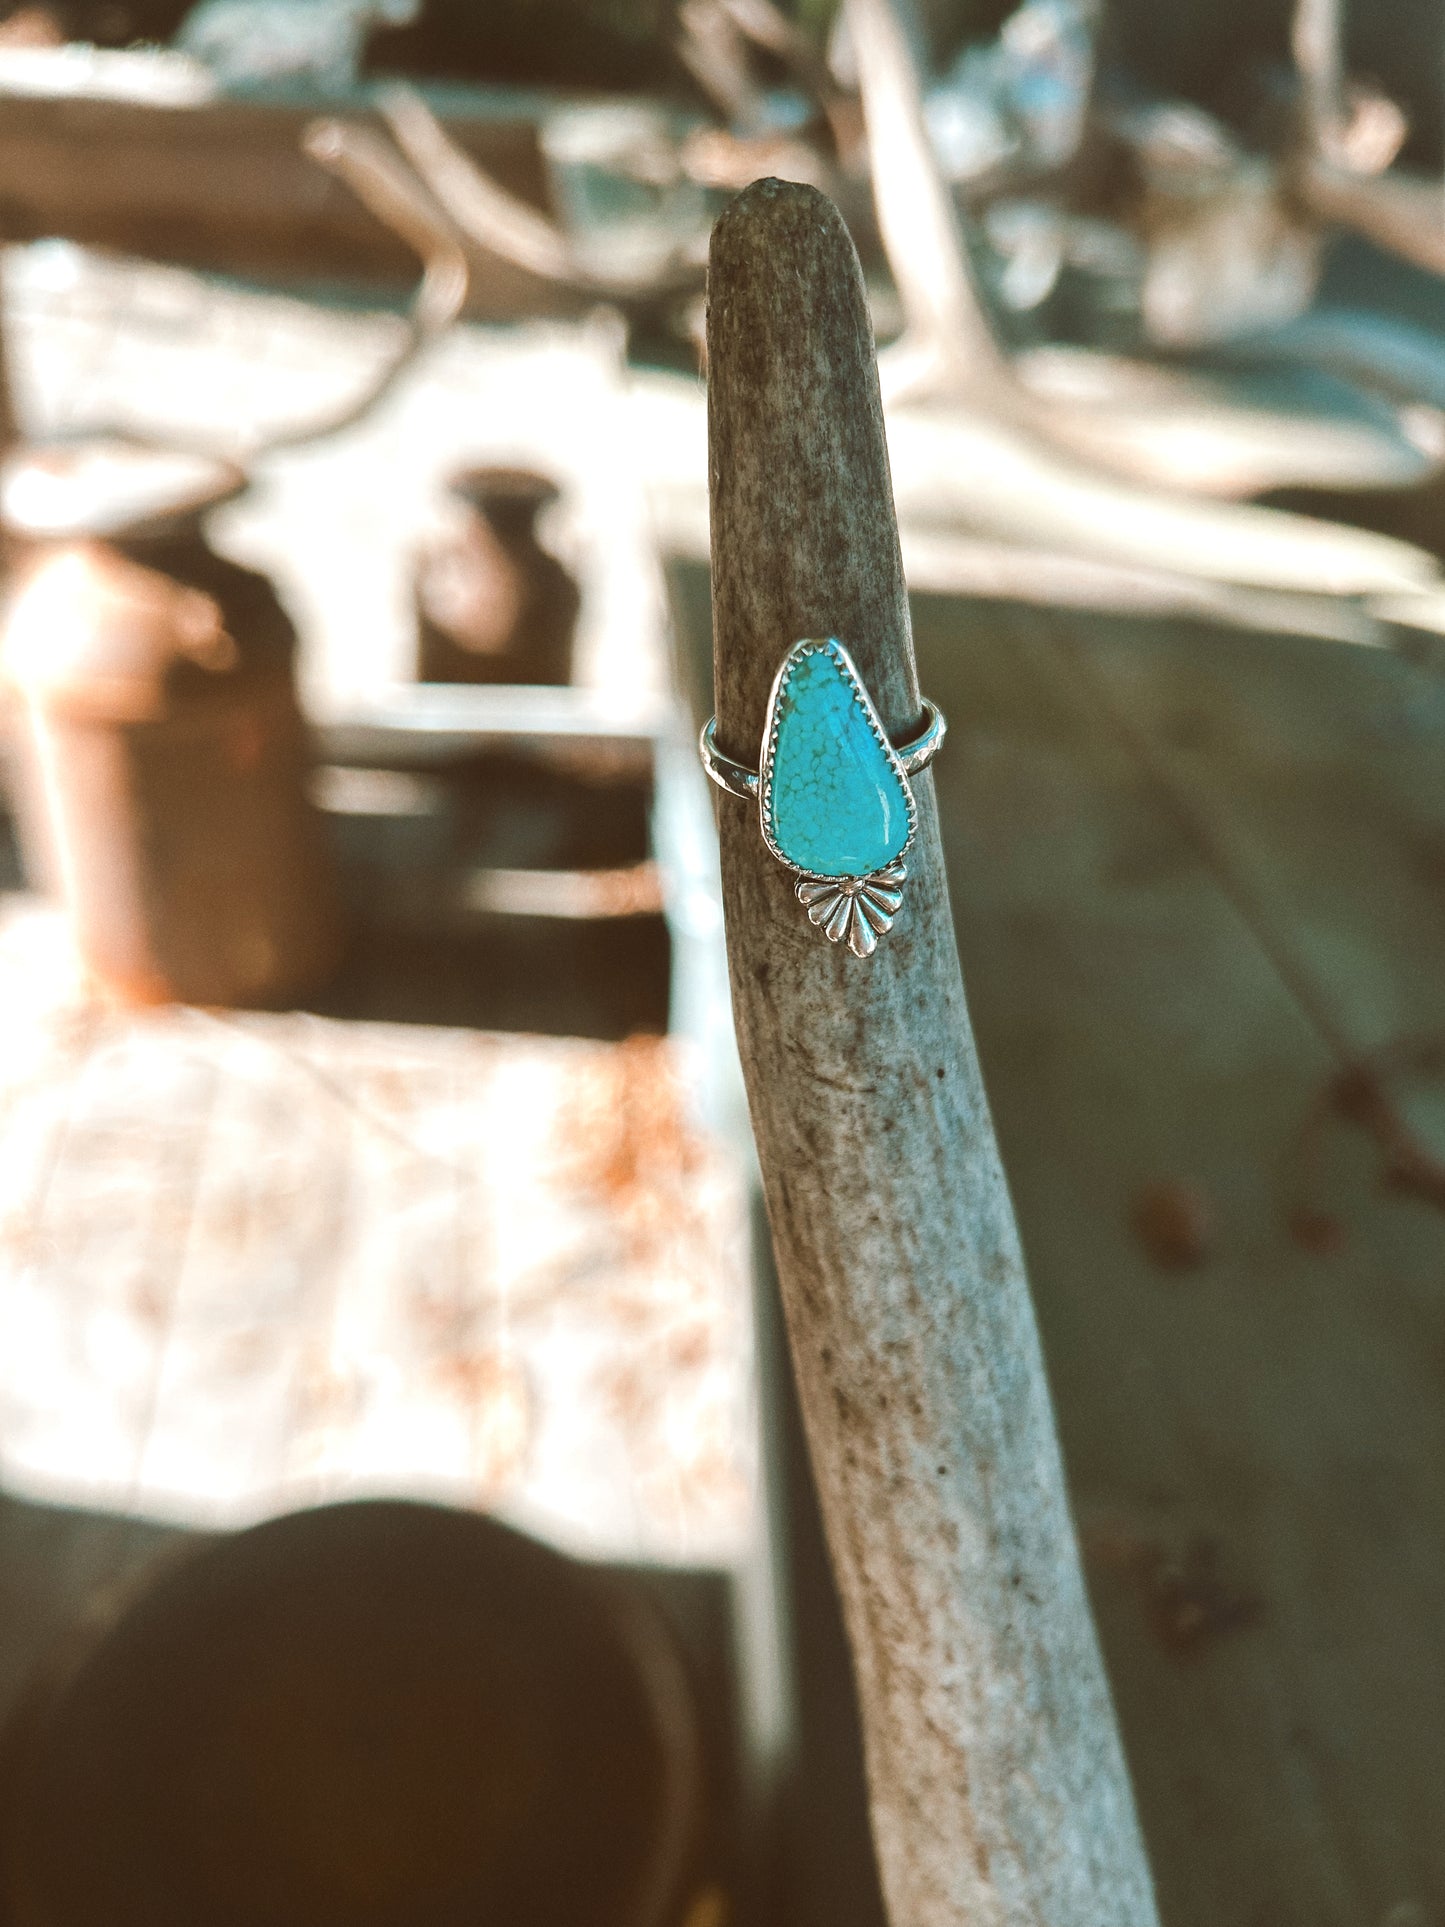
column 834, row 802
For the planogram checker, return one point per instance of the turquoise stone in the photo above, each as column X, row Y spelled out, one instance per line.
column 835, row 805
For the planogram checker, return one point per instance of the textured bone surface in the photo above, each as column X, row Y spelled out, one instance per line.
column 998, row 1790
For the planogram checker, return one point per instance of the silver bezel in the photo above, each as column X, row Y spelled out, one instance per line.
column 829, row 645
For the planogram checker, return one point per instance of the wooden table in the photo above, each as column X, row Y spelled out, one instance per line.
column 250, row 1262
column 1176, row 850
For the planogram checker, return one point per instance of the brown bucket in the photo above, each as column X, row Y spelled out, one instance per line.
column 373, row 1713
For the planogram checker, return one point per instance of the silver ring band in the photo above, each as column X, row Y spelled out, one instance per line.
column 738, row 780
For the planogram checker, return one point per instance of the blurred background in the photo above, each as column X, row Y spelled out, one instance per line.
column 403, row 1512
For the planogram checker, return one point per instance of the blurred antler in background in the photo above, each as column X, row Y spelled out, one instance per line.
column 719, row 42
column 378, row 177
column 767, row 27
column 383, row 183
column 1230, row 445
column 713, row 48
column 1347, row 138
column 1402, row 213
column 948, row 345
column 1057, row 479
column 497, row 222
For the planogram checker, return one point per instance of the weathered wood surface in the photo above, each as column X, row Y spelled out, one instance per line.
column 1255, row 1443
column 253, row 1262
column 997, row 1786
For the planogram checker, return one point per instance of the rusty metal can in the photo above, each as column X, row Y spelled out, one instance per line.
column 162, row 754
